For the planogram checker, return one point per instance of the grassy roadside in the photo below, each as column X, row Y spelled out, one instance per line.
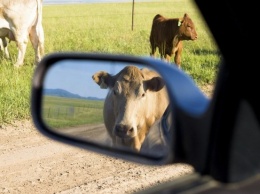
column 103, row 28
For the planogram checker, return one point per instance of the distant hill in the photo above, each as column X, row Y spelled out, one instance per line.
column 66, row 94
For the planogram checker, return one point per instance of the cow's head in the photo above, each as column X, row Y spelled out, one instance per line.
column 187, row 29
column 131, row 96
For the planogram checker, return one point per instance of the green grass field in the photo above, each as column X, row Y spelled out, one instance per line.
column 60, row 112
column 104, row 28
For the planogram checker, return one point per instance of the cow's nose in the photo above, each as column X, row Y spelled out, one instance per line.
column 123, row 131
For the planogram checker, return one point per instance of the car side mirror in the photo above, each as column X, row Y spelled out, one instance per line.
column 122, row 106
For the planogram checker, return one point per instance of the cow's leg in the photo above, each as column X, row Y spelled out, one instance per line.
column 4, row 47
column 161, row 52
column 37, row 39
column 153, row 48
column 168, row 58
column 152, row 53
column 21, row 42
column 177, row 58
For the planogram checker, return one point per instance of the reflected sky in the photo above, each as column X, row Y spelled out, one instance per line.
column 75, row 76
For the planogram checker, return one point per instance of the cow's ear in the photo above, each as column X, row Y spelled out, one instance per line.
column 154, row 84
column 182, row 19
column 103, row 79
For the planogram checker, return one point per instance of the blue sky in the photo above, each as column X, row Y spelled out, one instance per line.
column 76, row 76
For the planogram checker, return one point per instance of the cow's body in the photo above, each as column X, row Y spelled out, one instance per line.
column 158, row 140
column 136, row 99
column 20, row 20
column 168, row 33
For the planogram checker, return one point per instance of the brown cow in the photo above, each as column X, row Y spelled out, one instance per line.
column 136, row 99
column 168, row 33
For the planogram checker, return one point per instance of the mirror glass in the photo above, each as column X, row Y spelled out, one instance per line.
column 110, row 103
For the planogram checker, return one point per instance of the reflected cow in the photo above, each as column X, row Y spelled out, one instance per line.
column 136, row 99
column 159, row 139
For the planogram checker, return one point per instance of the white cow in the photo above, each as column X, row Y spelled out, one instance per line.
column 136, row 99
column 23, row 19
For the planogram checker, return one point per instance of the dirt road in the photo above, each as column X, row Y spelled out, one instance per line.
column 31, row 163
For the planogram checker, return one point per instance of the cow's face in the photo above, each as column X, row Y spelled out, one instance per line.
column 130, row 94
column 187, row 29
column 129, row 99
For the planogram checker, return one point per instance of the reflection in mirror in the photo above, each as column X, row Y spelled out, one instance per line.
column 110, row 103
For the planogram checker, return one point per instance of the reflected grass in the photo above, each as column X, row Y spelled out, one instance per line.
column 60, row 112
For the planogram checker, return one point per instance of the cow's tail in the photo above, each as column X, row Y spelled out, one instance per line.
column 39, row 11
column 39, row 28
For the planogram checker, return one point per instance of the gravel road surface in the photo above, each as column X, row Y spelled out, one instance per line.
column 32, row 163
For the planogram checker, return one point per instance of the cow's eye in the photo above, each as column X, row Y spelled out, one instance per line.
column 143, row 94
column 114, row 92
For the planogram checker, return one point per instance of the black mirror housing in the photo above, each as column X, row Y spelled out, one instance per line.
column 186, row 102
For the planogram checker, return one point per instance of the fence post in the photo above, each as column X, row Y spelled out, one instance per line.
column 133, row 7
